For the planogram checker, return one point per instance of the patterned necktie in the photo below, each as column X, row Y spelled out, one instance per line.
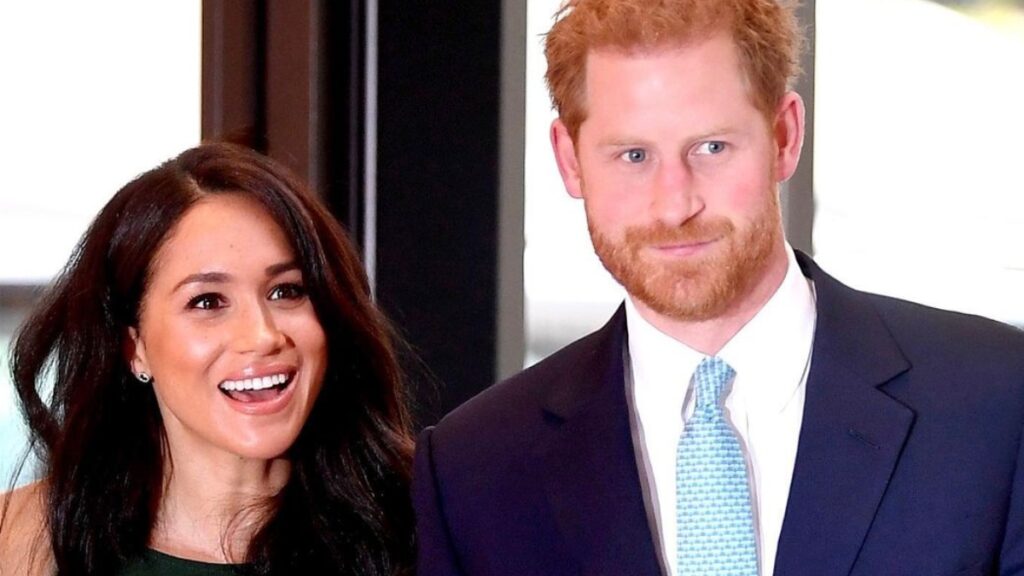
column 714, row 524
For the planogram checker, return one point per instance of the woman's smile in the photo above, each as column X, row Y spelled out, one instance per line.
column 229, row 334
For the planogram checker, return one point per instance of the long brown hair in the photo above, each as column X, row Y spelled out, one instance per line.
column 344, row 510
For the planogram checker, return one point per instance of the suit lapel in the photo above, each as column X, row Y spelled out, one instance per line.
column 589, row 467
column 851, row 437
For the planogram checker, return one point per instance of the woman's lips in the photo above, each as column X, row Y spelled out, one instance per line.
column 260, row 395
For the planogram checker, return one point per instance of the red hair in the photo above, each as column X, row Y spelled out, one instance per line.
column 766, row 34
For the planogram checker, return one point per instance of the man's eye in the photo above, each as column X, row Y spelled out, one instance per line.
column 287, row 292
column 711, row 147
column 634, row 156
column 208, row 301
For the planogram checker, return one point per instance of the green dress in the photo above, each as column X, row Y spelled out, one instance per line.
column 153, row 563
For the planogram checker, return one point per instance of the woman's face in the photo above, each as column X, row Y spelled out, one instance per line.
column 227, row 332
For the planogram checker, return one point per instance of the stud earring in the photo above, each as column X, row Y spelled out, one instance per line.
column 144, row 377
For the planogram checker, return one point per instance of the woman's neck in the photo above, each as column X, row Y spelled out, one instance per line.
column 213, row 504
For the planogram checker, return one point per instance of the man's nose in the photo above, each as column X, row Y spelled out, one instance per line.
column 675, row 197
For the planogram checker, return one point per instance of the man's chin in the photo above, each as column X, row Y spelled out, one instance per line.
column 692, row 304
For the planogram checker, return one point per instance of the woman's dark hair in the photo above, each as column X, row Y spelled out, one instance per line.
column 345, row 508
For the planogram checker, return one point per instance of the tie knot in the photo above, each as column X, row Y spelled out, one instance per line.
column 710, row 379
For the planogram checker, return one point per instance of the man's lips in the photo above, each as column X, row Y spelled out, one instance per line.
column 683, row 248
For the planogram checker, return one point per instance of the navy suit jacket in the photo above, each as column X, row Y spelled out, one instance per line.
column 909, row 459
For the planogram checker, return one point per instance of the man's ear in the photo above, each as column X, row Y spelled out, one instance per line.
column 565, row 157
column 135, row 352
column 788, row 131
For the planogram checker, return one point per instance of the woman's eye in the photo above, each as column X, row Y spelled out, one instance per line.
column 634, row 156
column 208, row 301
column 287, row 292
column 711, row 147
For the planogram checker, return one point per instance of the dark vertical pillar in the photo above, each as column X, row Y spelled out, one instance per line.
column 438, row 187
column 294, row 86
column 232, row 100
column 283, row 77
column 291, row 79
column 344, row 116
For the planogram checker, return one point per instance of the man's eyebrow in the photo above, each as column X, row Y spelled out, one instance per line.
column 718, row 132
column 619, row 142
column 202, row 277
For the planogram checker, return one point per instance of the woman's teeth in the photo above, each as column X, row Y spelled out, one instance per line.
column 253, row 383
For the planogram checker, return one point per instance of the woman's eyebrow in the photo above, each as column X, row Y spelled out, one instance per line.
column 202, row 277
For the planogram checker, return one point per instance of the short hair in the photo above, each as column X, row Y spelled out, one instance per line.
column 766, row 34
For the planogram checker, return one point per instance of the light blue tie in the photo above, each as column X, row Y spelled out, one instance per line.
column 714, row 525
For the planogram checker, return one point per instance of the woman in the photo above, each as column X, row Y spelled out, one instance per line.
column 226, row 397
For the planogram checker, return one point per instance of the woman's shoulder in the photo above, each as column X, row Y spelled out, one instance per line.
column 24, row 546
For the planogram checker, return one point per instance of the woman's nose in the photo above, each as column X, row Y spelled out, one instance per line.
column 257, row 331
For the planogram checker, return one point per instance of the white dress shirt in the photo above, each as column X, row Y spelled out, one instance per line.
column 771, row 355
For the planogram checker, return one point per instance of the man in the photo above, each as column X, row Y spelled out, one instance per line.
column 743, row 413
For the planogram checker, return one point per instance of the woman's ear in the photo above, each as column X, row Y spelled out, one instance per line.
column 135, row 352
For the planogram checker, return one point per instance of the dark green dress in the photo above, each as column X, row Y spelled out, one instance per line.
column 153, row 563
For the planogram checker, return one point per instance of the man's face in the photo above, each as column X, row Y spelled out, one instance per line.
column 678, row 172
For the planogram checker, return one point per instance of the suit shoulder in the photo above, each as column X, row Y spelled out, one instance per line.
column 525, row 390
column 511, row 411
column 957, row 361
column 926, row 329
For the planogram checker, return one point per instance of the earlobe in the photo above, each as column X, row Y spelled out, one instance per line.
column 565, row 157
column 135, row 352
column 789, row 135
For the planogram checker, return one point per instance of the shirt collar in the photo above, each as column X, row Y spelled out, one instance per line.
column 661, row 366
column 775, row 345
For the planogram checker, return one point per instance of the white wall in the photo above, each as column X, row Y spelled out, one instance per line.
column 91, row 94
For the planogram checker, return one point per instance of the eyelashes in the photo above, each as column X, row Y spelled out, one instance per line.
column 634, row 155
column 706, row 148
column 711, row 147
column 286, row 292
column 206, row 301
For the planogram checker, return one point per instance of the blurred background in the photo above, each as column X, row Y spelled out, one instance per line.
column 425, row 129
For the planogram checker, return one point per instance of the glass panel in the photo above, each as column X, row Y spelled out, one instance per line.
column 14, row 305
column 94, row 93
column 918, row 121
column 568, row 291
